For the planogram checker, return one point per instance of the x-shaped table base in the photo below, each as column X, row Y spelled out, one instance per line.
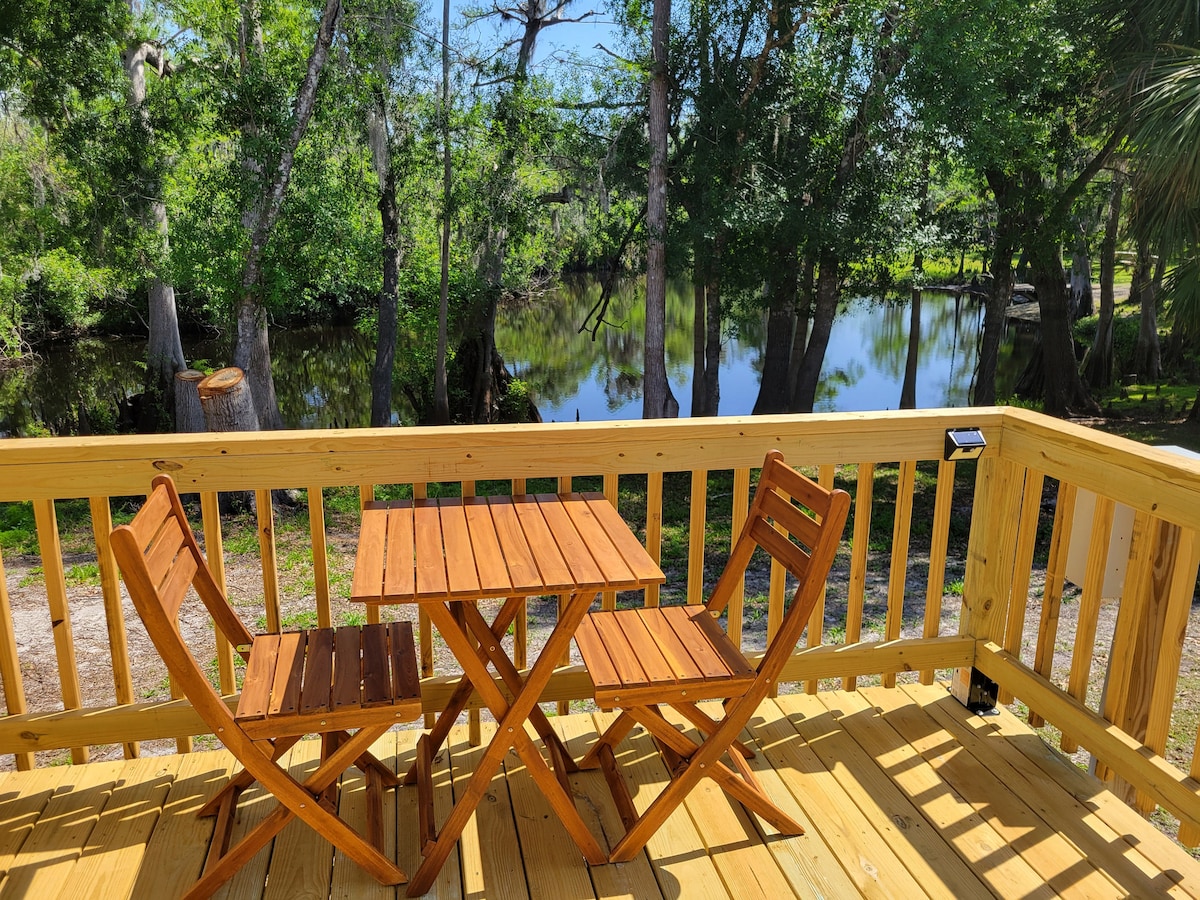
column 457, row 622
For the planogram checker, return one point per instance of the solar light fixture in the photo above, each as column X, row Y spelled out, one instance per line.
column 964, row 443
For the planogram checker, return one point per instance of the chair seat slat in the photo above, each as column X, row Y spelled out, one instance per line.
column 623, row 657
column 671, row 646
column 289, row 672
column 406, row 681
column 347, row 667
column 318, row 672
column 709, row 661
column 657, row 665
column 599, row 665
column 376, row 677
column 260, row 674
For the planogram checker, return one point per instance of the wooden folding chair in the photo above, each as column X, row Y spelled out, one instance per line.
column 678, row 656
column 322, row 681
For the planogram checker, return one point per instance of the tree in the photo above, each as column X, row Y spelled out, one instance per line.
column 658, row 401
column 270, row 167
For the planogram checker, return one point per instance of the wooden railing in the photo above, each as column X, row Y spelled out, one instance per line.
column 679, row 482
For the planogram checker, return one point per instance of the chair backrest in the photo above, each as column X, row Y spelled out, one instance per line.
column 800, row 524
column 160, row 559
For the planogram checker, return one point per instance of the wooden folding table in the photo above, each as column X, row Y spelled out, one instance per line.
column 441, row 552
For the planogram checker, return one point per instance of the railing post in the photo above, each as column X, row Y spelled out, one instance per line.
column 987, row 583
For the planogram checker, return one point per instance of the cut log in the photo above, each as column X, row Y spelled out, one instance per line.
column 189, row 415
column 227, row 402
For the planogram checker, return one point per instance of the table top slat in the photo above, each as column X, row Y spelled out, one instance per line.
column 430, row 558
column 489, row 558
column 367, row 583
column 584, row 570
column 644, row 568
column 518, row 558
column 595, row 537
column 461, row 578
column 554, row 573
column 399, row 576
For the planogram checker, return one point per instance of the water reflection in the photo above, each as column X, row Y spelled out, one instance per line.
column 322, row 375
column 573, row 376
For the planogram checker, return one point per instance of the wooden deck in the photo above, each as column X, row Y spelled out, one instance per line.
column 904, row 794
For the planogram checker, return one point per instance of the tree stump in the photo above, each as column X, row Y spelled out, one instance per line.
column 227, row 402
column 189, row 415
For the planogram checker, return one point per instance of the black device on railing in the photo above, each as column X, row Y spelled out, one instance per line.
column 964, row 443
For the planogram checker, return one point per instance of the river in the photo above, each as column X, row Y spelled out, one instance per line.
column 322, row 375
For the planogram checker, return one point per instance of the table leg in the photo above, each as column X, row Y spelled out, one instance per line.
column 510, row 732
column 463, row 690
column 508, row 673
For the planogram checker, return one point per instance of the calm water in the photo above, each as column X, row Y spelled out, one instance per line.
column 323, row 375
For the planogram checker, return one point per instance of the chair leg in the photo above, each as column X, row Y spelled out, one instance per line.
column 243, row 779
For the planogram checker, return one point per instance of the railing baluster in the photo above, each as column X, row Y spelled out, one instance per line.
column 521, row 622
column 1031, row 507
column 1060, row 541
column 366, row 494
column 816, row 621
column 214, row 552
column 1089, row 609
column 863, row 497
column 1181, row 554
column 424, row 625
column 10, row 666
column 114, row 615
column 564, row 706
column 935, row 589
column 654, row 513
column 1189, row 835
column 50, row 549
column 741, row 509
column 898, row 571
column 696, row 520
column 608, row 600
column 320, row 556
column 1131, row 664
column 266, row 548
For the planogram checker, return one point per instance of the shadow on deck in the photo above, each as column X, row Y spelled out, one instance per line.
column 904, row 794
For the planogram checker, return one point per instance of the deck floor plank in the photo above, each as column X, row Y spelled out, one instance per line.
column 448, row 884
column 23, row 798
column 1056, row 860
column 1168, row 858
column 971, row 834
column 349, row 881
column 301, row 860
column 736, row 845
column 491, row 855
column 633, row 880
column 865, row 842
column 175, row 853
column 1130, row 871
column 901, row 791
column 112, row 856
column 936, row 867
column 254, row 805
column 676, row 850
column 48, row 855
column 554, row 868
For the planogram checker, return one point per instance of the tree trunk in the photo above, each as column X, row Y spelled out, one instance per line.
column 389, row 218
column 189, row 414
column 441, row 391
column 712, row 350
column 1000, row 295
column 699, row 324
column 251, row 349
column 164, row 349
column 1098, row 364
column 1080, row 300
column 657, row 400
column 774, row 388
column 804, row 392
column 908, row 390
column 1146, row 356
column 226, row 397
column 1064, row 391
